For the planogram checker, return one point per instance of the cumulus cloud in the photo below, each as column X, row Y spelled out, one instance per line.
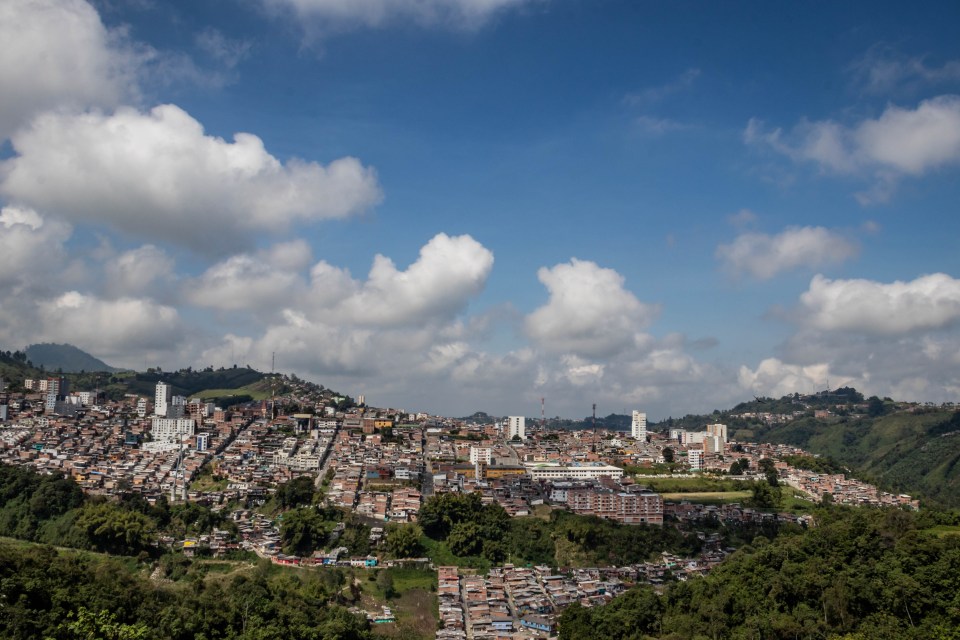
column 764, row 256
column 351, row 14
column 31, row 248
column 108, row 327
column 449, row 271
column 137, row 271
column 57, row 53
column 901, row 142
column 159, row 175
column 261, row 281
column 775, row 378
column 928, row 302
column 589, row 313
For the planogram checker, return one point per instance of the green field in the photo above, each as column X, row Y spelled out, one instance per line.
column 709, row 497
column 257, row 391
column 698, row 484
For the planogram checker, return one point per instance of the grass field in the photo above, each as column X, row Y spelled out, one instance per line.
column 698, row 484
column 945, row 530
column 257, row 391
column 709, row 497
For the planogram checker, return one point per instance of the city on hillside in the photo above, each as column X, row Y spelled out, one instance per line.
column 382, row 464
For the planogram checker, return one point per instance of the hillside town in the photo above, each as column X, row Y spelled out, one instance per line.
column 382, row 464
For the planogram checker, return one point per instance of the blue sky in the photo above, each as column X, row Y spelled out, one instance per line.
column 460, row 205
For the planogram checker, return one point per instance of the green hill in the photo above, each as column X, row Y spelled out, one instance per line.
column 915, row 451
column 66, row 358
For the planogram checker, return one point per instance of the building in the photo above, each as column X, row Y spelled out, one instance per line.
column 516, row 426
column 713, row 444
column 547, row 471
column 719, row 430
column 480, row 454
column 695, row 459
column 627, row 507
column 638, row 427
column 161, row 400
column 171, row 429
column 203, row 441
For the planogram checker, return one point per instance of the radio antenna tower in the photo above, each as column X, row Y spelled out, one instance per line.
column 543, row 416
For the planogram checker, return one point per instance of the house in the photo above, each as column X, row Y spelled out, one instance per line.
column 539, row 623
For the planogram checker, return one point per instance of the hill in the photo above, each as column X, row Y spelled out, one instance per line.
column 66, row 358
column 915, row 451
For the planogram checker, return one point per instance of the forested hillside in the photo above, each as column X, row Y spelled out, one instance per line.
column 862, row 574
column 915, row 452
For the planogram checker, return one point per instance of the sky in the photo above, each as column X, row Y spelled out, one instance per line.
column 453, row 206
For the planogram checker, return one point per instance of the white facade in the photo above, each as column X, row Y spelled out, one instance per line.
column 516, row 426
column 203, row 441
column 171, row 429
column 638, row 427
column 695, row 459
column 542, row 471
column 161, row 399
column 480, row 454
column 141, row 407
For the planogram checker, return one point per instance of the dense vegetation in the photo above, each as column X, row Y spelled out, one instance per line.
column 479, row 535
column 912, row 452
column 52, row 509
column 867, row 573
column 66, row 595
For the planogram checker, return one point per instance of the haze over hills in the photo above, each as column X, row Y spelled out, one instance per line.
column 65, row 357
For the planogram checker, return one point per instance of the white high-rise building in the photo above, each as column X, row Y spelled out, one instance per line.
column 161, row 399
column 516, row 426
column 638, row 427
column 171, row 429
column 480, row 454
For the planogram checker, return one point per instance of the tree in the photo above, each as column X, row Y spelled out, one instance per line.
column 385, row 583
column 102, row 626
column 668, row 455
column 403, row 540
column 302, row 531
column 295, row 493
column 769, row 469
column 465, row 540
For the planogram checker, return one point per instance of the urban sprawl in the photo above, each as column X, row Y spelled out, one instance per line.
column 383, row 463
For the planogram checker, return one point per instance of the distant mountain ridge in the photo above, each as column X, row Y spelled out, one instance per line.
column 65, row 357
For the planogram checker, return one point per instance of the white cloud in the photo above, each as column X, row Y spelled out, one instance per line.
column 31, row 248
column 136, row 272
column 884, row 70
column 108, row 327
column 764, row 256
column 158, row 175
column 658, row 126
column 350, row 14
column 775, row 378
column 263, row 281
column 448, row 272
column 589, row 313
column 928, row 302
column 901, row 142
column 742, row 218
column 57, row 53
column 652, row 95
column 228, row 51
